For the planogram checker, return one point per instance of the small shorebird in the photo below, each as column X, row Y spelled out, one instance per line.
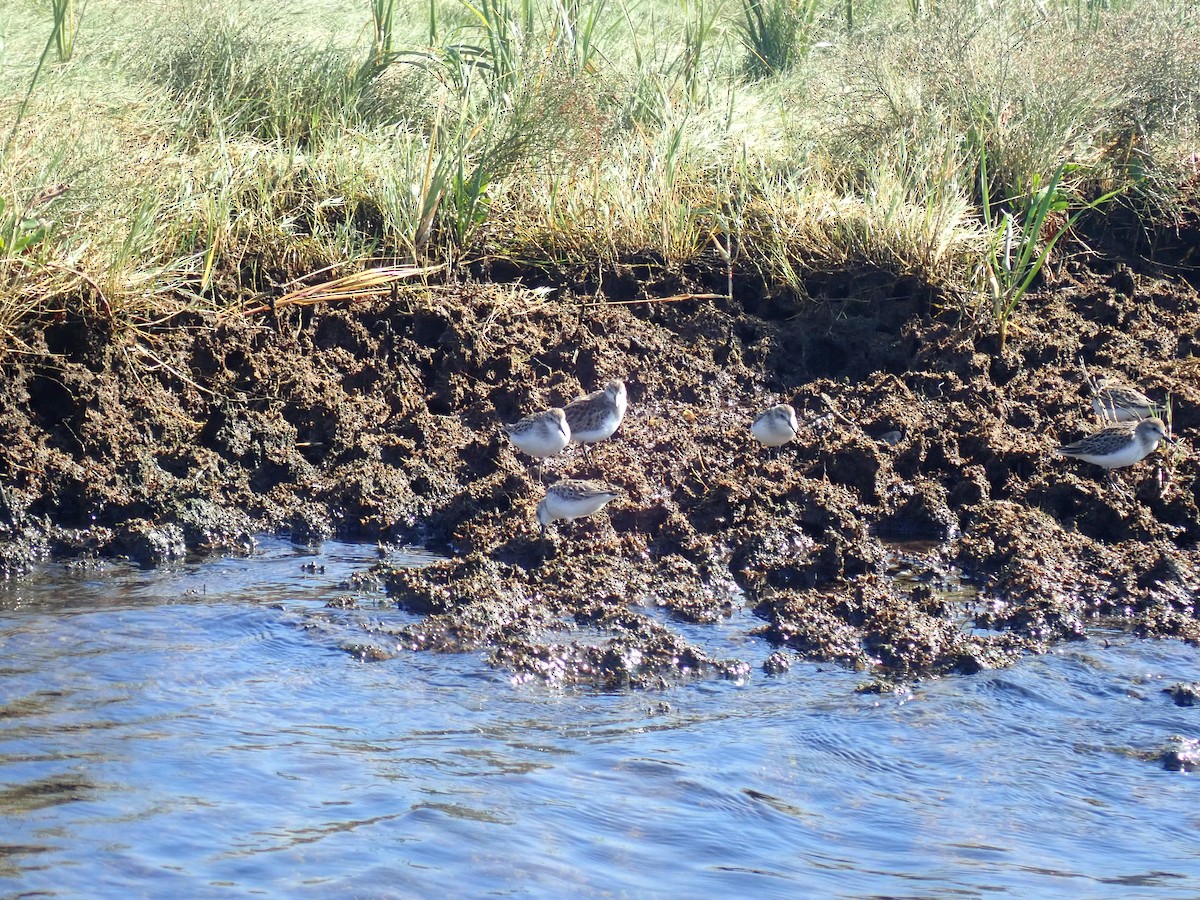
column 540, row 435
column 595, row 417
column 1119, row 446
column 1116, row 402
column 572, row 499
column 776, row 426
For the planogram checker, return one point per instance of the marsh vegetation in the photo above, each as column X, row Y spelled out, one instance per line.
column 191, row 155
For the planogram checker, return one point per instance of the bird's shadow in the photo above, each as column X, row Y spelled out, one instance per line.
column 528, row 548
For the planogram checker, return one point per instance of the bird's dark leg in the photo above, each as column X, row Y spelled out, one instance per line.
column 1117, row 485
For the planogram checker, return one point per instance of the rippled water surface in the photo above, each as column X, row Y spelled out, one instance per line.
column 202, row 731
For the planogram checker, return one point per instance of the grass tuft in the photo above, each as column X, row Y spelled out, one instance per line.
column 213, row 158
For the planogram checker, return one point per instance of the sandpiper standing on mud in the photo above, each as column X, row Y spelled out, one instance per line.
column 1119, row 446
column 1116, row 402
column 595, row 417
column 540, row 435
column 572, row 499
column 775, row 426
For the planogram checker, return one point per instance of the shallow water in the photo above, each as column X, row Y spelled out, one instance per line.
column 201, row 731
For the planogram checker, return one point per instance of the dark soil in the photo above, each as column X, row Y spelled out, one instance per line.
column 380, row 422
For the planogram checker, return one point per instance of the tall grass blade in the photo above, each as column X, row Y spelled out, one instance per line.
column 65, row 25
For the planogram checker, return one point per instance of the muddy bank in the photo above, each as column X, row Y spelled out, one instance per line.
column 379, row 422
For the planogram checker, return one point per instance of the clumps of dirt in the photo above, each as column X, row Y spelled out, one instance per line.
column 872, row 625
column 1179, row 755
column 572, row 619
column 380, row 422
column 1184, row 693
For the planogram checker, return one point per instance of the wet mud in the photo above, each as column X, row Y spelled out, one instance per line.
column 380, row 421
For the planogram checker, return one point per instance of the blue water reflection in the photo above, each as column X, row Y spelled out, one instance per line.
column 201, row 731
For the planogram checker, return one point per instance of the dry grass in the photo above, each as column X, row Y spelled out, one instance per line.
column 212, row 158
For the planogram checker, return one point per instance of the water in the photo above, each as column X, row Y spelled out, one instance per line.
column 200, row 731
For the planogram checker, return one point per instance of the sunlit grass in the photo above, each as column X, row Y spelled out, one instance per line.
column 210, row 154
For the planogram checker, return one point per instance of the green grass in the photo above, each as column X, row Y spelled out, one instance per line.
column 212, row 155
column 775, row 33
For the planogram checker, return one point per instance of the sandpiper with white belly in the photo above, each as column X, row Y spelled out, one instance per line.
column 1120, row 445
column 541, row 434
column 1116, row 402
column 573, row 499
column 595, row 417
column 775, row 426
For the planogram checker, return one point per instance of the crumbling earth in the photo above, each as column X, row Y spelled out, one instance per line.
column 379, row 422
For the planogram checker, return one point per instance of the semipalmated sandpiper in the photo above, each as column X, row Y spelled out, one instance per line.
column 776, row 426
column 595, row 417
column 540, row 435
column 1119, row 445
column 572, row 499
column 1116, row 402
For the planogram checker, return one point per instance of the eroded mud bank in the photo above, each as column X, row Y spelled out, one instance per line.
column 380, row 422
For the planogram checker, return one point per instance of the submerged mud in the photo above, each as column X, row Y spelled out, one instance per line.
column 380, row 422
